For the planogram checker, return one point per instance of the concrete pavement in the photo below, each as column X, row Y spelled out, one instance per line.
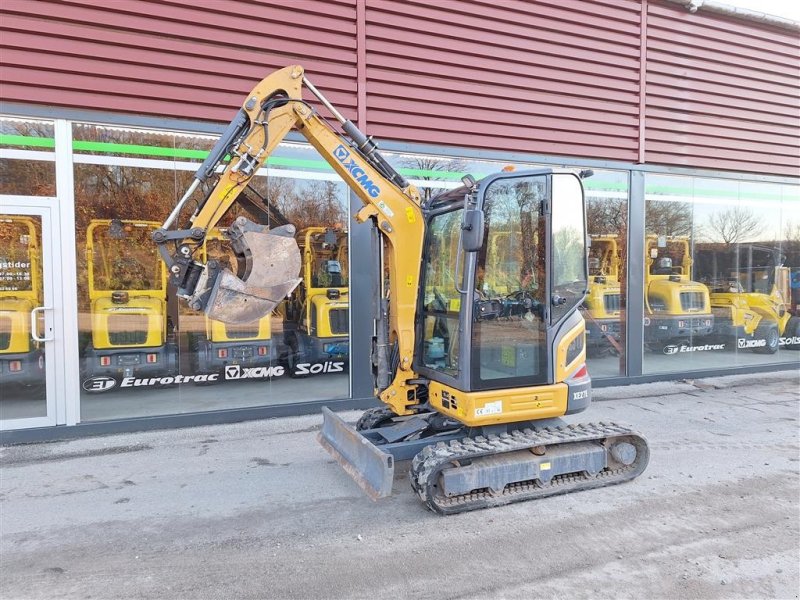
column 258, row 510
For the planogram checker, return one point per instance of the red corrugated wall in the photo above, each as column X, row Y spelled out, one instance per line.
column 721, row 93
column 550, row 77
column 192, row 59
column 557, row 77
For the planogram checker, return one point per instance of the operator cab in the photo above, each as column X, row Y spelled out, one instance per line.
column 491, row 309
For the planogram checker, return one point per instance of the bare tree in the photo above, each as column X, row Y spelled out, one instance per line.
column 606, row 215
column 669, row 218
column 791, row 231
column 426, row 167
column 311, row 204
column 734, row 225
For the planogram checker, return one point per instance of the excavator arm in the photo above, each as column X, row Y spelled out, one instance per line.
column 269, row 260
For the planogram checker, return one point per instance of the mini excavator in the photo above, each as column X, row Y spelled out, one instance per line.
column 472, row 382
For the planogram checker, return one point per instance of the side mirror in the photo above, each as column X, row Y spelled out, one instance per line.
column 472, row 230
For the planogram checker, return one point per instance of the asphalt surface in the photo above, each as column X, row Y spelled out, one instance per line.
column 258, row 510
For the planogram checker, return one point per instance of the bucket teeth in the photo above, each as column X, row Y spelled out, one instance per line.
column 269, row 261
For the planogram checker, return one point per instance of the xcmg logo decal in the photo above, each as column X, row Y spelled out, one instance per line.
column 342, row 154
column 745, row 343
column 239, row 372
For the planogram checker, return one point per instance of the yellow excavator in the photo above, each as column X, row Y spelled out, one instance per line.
column 317, row 324
column 131, row 333
column 676, row 308
column 472, row 399
column 602, row 306
column 21, row 357
column 223, row 345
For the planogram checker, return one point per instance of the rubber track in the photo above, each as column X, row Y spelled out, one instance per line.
column 430, row 461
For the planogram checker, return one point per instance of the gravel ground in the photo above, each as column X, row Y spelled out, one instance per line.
column 259, row 510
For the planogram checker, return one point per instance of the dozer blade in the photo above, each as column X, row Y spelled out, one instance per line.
column 269, row 261
column 370, row 467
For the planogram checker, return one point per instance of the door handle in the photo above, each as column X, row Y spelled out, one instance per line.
column 459, row 252
column 35, row 325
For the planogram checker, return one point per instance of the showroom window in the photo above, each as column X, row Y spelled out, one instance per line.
column 27, row 169
column 607, row 220
column 722, row 273
column 27, row 157
column 604, row 308
column 142, row 351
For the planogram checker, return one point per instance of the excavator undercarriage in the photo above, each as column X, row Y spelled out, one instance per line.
column 458, row 469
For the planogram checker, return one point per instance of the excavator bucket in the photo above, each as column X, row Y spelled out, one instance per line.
column 269, row 262
column 369, row 466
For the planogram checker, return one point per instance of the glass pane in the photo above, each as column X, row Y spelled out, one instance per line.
column 568, row 247
column 442, row 302
column 27, row 157
column 22, row 372
column 604, row 307
column 721, row 257
column 509, row 335
column 142, row 351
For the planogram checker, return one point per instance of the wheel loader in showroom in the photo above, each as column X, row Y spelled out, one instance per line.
column 477, row 411
column 21, row 356
column 750, row 297
column 131, row 334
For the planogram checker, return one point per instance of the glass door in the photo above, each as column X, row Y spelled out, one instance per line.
column 28, row 312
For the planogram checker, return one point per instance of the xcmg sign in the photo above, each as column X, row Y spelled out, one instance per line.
column 239, row 372
column 342, row 154
column 743, row 343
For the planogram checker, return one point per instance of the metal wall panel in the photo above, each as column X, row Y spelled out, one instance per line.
column 191, row 59
column 721, row 93
column 541, row 77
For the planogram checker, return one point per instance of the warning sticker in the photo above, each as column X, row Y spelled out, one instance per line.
column 384, row 208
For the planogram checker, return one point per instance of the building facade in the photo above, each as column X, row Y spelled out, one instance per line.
column 689, row 120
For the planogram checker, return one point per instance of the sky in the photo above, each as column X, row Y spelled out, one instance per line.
column 789, row 9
